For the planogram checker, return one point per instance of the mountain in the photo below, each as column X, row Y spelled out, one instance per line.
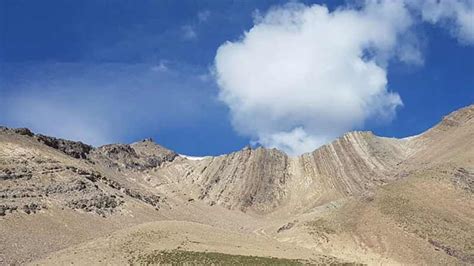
column 360, row 199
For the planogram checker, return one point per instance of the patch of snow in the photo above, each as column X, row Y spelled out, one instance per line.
column 193, row 158
column 411, row 137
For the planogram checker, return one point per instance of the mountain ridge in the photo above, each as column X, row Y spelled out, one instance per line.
column 454, row 118
column 262, row 193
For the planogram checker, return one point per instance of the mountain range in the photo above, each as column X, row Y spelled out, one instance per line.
column 359, row 199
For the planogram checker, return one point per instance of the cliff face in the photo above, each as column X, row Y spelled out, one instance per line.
column 354, row 163
column 245, row 179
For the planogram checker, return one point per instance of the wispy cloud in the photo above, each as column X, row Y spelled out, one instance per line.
column 455, row 15
column 104, row 103
column 203, row 15
column 188, row 32
column 160, row 67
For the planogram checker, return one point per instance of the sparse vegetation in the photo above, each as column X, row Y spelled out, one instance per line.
column 182, row 257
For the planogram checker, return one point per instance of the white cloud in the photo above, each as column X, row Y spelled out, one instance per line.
column 456, row 15
column 303, row 75
column 188, row 32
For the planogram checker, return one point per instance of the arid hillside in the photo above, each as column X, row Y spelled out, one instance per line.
column 360, row 199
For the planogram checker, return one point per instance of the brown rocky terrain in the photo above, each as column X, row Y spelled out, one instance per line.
column 360, row 199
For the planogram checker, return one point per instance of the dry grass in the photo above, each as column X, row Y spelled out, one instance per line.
column 441, row 227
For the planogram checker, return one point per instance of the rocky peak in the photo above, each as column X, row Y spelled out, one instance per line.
column 153, row 152
column 140, row 155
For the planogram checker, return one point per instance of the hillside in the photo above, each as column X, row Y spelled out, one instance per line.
column 359, row 199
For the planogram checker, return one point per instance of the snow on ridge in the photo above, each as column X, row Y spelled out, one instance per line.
column 193, row 158
column 412, row 137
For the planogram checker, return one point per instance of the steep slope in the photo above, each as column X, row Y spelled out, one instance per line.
column 245, row 179
column 351, row 165
column 450, row 141
column 429, row 208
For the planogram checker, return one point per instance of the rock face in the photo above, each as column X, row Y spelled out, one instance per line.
column 41, row 180
column 244, row 179
column 50, row 172
column 354, row 163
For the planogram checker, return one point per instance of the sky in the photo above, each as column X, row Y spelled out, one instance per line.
column 209, row 77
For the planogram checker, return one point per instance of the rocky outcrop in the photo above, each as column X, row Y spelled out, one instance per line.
column 137, row 156
column 71, row 190
column 100, row 204
column 75, row 149
column 23, row 131
column 19, row 131
column 116, row 155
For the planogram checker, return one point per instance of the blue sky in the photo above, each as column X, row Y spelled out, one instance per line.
column 120, row 71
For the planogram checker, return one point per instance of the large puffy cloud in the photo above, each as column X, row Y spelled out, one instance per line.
column 303, row 75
